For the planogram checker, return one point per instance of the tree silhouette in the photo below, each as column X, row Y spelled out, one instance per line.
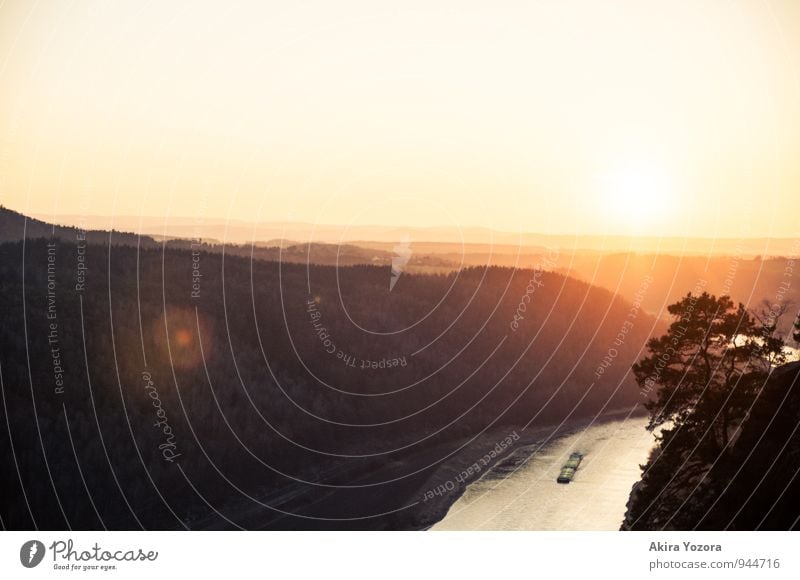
column 708, row 368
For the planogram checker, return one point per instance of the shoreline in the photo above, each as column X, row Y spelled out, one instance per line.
column 425, row 508
column 439, row 505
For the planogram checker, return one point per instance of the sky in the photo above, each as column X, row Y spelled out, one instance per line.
column 638, row 117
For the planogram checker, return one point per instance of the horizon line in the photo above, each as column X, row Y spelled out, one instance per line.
column 44, row 216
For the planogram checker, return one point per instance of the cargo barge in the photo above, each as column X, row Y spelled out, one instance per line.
column 570, row 467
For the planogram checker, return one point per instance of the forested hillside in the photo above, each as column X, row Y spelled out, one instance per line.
column 158, row 387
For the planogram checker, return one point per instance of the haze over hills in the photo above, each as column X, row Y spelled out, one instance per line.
column 16, row 226
column 441, row 239
column 749, row 276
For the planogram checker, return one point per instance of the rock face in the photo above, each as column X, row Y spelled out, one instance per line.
column 754, row 486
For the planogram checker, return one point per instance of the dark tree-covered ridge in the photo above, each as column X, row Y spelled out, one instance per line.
column 177, row 406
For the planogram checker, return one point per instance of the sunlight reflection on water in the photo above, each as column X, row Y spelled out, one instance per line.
column 524, row 495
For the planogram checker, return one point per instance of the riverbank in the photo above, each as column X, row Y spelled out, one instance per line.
column 450, row 481
column 420, row 488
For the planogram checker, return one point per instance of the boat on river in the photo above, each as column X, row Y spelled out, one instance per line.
column 570, row 467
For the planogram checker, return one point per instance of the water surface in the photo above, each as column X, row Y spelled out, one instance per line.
column 521, row 492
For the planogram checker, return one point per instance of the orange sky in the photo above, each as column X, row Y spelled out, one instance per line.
column 558, row 116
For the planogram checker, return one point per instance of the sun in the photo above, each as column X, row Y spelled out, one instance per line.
column 636, row 198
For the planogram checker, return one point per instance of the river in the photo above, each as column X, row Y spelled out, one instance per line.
column 521, row 492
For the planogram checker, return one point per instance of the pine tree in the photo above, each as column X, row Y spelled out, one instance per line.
column 706, row 370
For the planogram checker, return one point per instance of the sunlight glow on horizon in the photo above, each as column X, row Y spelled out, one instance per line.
column 573, row 117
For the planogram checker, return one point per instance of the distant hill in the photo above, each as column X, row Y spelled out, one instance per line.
column 15, row 226
column 747, row 280
column 450, row 239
